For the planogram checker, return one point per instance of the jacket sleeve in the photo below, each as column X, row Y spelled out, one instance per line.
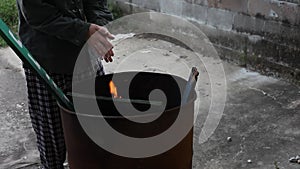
column 47, row 18
column 96, row 11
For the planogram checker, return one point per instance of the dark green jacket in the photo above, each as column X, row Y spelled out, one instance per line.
column 54, row 31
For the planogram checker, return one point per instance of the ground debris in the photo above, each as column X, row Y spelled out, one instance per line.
column 19, row 106
column 295, row 159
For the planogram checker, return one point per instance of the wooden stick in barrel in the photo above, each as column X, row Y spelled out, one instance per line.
column 191, row 82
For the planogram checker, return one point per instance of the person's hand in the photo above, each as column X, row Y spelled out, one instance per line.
column 99, row 42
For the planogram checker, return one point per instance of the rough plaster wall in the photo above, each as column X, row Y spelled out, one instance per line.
column 171, row 7
column 284, row 10
column 261, row 34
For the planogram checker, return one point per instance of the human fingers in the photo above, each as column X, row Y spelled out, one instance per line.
column 105, row 32
column 111, row 52
column 103, row 40
column 100, row 49
column 108, row 57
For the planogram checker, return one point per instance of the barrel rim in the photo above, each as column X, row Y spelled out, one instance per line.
column 122, row 117
column 191, row 100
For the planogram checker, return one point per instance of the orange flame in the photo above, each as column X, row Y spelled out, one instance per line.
column 113, row 89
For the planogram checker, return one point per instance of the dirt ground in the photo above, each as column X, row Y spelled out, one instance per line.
column 258, row 129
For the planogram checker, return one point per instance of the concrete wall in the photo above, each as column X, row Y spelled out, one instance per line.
column 261, row 34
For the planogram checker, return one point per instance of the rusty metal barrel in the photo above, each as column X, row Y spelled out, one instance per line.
column 84, row 153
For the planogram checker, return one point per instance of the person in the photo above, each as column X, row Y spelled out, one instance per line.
column 54, row 31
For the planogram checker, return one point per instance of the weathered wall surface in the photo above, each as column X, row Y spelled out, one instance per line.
column 260, row 34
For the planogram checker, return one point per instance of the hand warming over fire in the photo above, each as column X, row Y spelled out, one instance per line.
column 99, row 42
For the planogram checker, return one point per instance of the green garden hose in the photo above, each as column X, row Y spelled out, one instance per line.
column 26, row 57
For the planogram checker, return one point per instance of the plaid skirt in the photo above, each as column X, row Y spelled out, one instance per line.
column 45, row 116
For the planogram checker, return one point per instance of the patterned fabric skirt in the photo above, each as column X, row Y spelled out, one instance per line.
column 45, row 116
